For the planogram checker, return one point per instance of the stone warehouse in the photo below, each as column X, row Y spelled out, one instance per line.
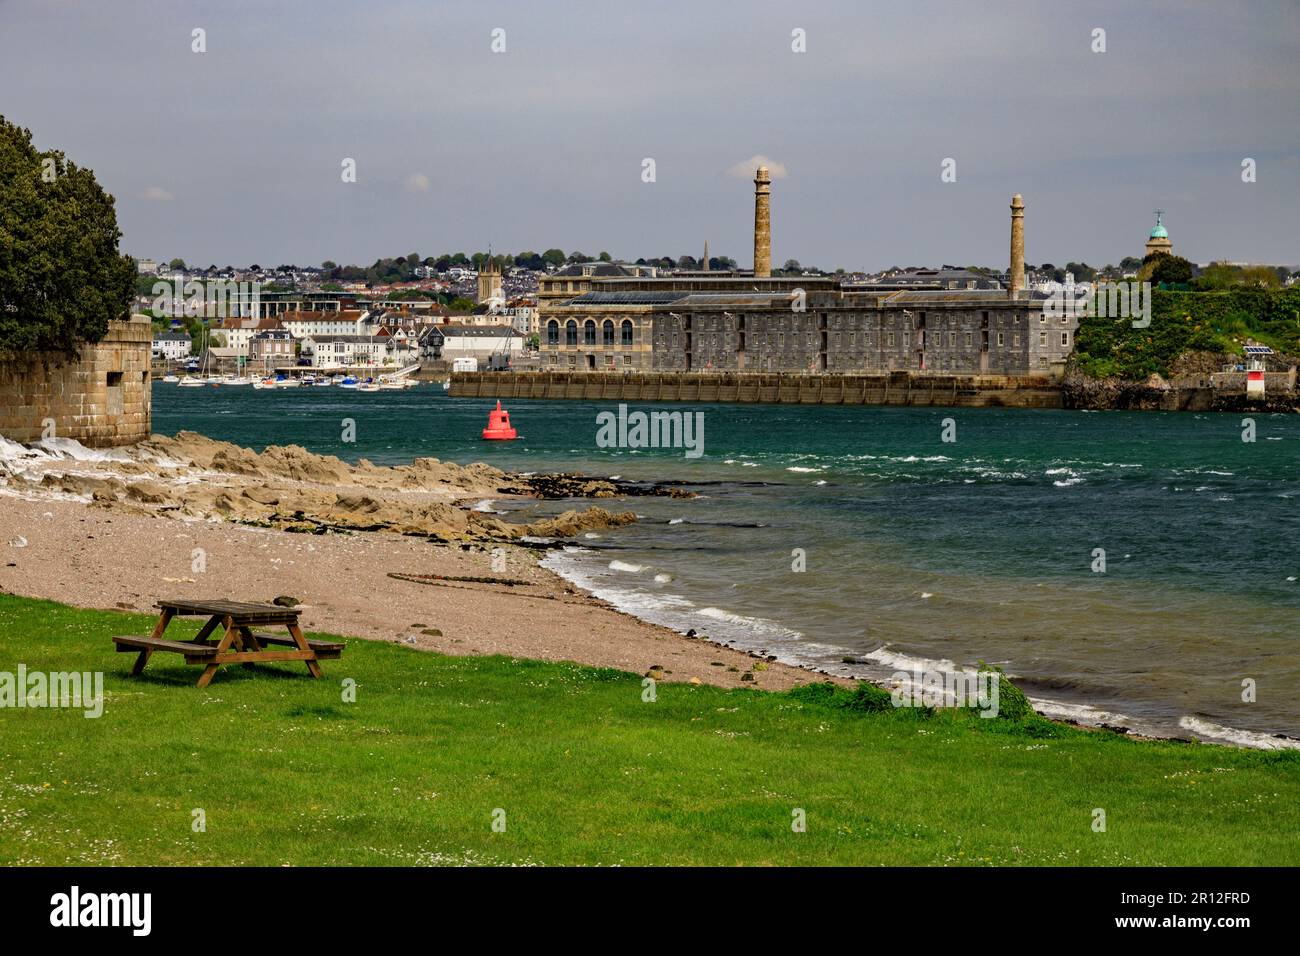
column 100, row 396
column 753, row 322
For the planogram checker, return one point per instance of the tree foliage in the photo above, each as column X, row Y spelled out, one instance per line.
column 1183, row 322
column 61, row 276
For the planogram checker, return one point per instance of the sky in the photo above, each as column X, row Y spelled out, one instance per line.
column 235, row 155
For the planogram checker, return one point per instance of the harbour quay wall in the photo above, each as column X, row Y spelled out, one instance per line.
column 892, row 388
column 100, row 395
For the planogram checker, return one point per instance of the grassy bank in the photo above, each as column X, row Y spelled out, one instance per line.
column 1184, row 322
column 586, row 772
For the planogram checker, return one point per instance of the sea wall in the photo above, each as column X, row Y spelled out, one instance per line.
column 894, row 388
column 1213, row 393
column 101, row 396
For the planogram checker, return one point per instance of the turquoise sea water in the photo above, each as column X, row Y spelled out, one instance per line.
column 916, row 549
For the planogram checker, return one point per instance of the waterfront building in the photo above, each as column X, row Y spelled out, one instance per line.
column 961, row 323
column 172, row 346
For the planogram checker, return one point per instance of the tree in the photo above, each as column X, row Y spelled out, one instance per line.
column 792, row 265
column 329, row 265
column 62, row 277
column 605, row 257
column 177, row 264
column 554, row 257
column 1170, row 269
column 1081, row 271
column 1217, row 276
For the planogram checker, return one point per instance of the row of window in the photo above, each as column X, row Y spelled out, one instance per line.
column 588, row 332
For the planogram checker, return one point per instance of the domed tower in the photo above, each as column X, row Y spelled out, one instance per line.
column 1159, row 238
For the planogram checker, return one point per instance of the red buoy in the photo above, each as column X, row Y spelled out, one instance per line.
column 499, row 427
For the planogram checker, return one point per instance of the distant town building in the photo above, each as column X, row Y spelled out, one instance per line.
column 172, row 346
column 331, row 351
column 470, row 341
column 1158, row 241
column 489, row 283
column 271, row 347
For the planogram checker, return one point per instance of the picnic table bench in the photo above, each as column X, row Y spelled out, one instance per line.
column 239, row 643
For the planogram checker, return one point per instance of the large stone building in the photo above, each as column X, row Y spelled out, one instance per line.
column 754, row 322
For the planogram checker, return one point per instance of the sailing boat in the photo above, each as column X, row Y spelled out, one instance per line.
column 198, row 381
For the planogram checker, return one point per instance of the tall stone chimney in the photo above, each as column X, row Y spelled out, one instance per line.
column 705, row 266
column 762, row 223
column 1016, row 283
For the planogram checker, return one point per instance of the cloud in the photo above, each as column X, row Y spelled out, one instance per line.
column 746, row 167
column 417, row 183
column 157, row 194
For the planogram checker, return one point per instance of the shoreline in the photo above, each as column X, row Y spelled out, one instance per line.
column 81, row 540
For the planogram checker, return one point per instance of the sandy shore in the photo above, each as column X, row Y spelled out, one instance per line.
column 64, row 537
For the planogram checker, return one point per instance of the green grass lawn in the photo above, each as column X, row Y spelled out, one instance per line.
column 585, row 771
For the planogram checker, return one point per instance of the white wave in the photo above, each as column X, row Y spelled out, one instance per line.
column 799, row 469
column 749, row 625
column 1068, row 482
column 484, row 506
column 625, row 566
column 676, row 520
column 1243, row 738
column 665, row 578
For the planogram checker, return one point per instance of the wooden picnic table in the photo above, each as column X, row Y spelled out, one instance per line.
column 236, row 619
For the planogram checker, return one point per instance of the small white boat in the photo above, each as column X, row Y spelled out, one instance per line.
column 237, row 380
column 368, row 387
column 446, row 386
column 171, row 378
column 191, row 381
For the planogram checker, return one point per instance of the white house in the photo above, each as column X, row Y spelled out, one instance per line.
column 173, row 346
column 238, row 331
column 332, row 351
column 308, row 324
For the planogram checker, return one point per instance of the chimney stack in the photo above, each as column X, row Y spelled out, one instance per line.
column 1016, row 280
column 762, row 223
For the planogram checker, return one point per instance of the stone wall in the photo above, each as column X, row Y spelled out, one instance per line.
column 896, row 388
column 100, row 397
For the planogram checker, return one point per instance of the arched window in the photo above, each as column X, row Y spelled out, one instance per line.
column 552, row 332
column 589, row 332
column 607, row 333
column 571, row 332
column 627, row 331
